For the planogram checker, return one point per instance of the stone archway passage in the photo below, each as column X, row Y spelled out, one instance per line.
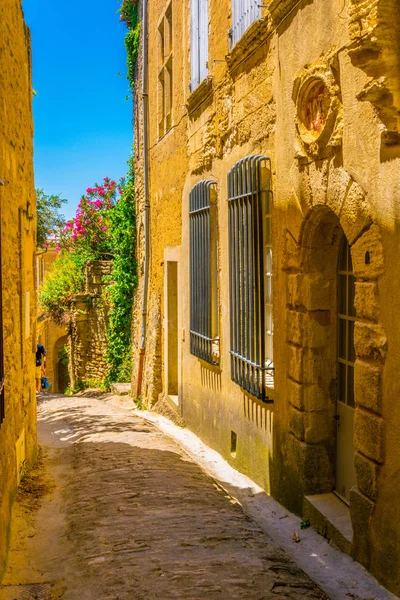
column 338, row 206
column 60, row 368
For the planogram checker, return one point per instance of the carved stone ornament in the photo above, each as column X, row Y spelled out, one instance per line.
column 319, row 111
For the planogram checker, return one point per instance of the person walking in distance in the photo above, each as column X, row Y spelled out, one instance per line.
column 40, row 366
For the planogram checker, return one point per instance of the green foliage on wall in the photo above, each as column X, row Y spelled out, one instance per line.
column 129, row 12
column 65, row 279
column 123, row 282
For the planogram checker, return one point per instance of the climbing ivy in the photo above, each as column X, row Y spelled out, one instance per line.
column 123, row 282
column 129, row 12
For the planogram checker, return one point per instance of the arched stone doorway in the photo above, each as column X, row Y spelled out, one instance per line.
column 61, row 376
column 328, row 317
column 312, row 337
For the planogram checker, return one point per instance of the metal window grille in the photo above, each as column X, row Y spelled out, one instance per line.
column 199, row 42
column 346, row 318
column 203, row 273
column 250, row 279
column 244, row 13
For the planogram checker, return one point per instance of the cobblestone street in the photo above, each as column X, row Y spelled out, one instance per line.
column 131, row 516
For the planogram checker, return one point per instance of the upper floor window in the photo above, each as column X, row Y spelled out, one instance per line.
column 204, row 340
column 250, row 277
column 244, row 13
column 199, row 42
column 165, row 80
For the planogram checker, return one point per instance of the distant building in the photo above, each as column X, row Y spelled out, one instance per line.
column 271, row 312
column 18, row 240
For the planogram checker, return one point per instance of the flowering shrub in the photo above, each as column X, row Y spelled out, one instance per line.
column 103, row 229
column 90, row 229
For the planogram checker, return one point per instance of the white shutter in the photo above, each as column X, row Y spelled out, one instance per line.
column 203, row 39
column 244, row 13
column 194, row 48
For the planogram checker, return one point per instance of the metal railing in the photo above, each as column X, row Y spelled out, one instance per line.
column 250, row 274
column 203, row 273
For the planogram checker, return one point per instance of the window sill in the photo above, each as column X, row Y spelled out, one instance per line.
column 250, row 41
column 278, row 9
column 201, row 93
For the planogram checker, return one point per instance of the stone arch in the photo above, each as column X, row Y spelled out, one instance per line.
column 60, row 374
column 311, row 338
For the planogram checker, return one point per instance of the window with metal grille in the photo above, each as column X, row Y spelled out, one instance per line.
column 346, row 318
column 204, row 341
column 199, row 42
column 250, row 279
column 244, row 13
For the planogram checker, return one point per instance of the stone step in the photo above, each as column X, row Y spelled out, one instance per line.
column 121, row 389
column 330, row 516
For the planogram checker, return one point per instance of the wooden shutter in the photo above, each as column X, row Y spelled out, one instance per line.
column 194, row 47
column 203, row 39
column 244, row 13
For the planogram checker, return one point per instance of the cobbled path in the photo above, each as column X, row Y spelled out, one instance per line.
column 133, row 517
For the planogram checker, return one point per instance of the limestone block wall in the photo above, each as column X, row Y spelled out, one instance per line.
column 87, row 342
column 18, row 228
column 334, row 172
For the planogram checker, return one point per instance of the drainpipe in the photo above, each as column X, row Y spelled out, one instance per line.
column 145, row 112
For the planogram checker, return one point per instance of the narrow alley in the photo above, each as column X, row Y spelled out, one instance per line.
column 128, row 514
column 132, row 517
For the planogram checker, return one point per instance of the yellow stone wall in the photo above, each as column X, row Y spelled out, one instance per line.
column 252, row 104
column 18, row 236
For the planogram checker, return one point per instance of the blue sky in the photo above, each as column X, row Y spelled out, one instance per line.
column 83, row 123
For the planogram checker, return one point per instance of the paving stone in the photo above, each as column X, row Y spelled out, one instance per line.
column 134, row 517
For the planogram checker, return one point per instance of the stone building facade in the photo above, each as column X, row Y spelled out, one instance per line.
column 274, row 191
column 18, row 238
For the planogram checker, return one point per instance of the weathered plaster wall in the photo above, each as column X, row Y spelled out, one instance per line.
column 347, row 180
column 18, row 225
column 87, row 342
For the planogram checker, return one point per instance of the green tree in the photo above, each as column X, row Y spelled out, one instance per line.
column 49, row 219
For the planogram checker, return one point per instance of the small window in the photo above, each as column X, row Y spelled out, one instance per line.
column 346, row 318
column 204, row 340
column 165, row 76
column 244, row 13
column 199, row 42
column 250, row 266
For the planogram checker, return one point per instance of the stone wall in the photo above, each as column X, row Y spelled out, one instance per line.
column 18, row 237
column 333, row 172
column 87, row 342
